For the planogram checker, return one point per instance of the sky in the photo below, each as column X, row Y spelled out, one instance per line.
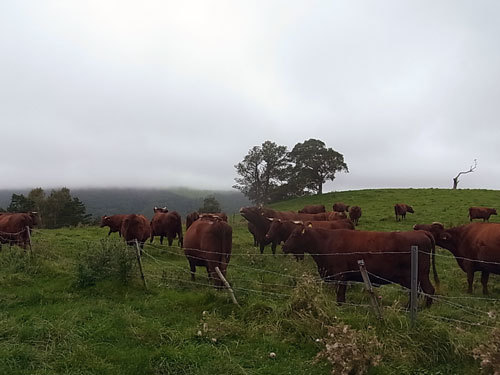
column 174, row 93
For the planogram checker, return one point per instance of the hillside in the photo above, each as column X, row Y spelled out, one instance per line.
column 109, row 201
column 75, row 306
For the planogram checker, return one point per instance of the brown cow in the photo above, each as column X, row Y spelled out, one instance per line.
column 135, row 227
column 114, row 222
column 259, row 226
column 167, row 225
column 475, row 246
column 253, row 231
column 400, row 209
column 355, row 214
column 481, row 213
column 331, row 216
column 313, row 209
column 340, row 207
column 208, row 243
column 386, row 256
column 290, row 215
column 193, row 216
column 15, row 228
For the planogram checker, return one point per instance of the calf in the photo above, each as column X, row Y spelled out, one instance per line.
column 400, row 209
column 355, row 214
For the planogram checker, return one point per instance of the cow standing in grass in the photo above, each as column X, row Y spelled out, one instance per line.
column 167, row 225
column 135, row 228
column 400, row 209
column 481, row 213
column 355, row 214
column 114, row 222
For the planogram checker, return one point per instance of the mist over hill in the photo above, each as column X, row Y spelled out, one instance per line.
column 109, row 201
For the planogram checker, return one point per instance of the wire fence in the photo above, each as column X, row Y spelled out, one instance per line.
column 283, row 290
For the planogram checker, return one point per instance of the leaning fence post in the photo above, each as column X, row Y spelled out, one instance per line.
column 414, row 284
column 139, row 261
column 369, row 288
column 29, row 237
column 231, row 292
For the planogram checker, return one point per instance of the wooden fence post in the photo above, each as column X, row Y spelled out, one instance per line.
column 29, row 238
column 414, row 285
column 369, row 289
column 231, row 292
column 139, row 261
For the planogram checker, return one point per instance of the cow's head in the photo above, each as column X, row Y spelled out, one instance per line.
column 493, row 211
column 409, row 209
column 104, row 221
column 162, row 209
column 296, row 243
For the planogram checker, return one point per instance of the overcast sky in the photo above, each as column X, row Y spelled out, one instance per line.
column 175, row 93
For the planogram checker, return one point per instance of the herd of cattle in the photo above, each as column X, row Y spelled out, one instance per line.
column 329, row 237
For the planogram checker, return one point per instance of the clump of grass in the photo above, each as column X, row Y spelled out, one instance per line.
column 108, row 260
column 15, row 260
column 489, row 354
column 350, row 351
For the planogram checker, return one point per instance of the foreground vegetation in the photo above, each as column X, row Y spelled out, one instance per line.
column 77, row 306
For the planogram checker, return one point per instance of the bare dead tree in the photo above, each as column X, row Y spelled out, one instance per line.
column 471, row 169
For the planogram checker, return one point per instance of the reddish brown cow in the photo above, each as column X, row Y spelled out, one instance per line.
column 290, row 215
column 114, row 222
column 167, row 225
column 400, row 209
column 475, row 246
column 340, row 207
column 135, row 227
column 355, row 214
column 15, row 228
column 481, row 213
column 386, row 256
column 253, row 231
column 193, row 216
column 332, row 216
column 313, row 209
column 208, row 243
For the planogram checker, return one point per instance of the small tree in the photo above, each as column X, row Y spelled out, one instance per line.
column 261, row 171
column 471, row 169
column 210, row 205
column 314, row 164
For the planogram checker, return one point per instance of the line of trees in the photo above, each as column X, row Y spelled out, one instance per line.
column 271, row 173
column 56, row 210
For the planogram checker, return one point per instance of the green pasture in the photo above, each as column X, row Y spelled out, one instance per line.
column 76, row 305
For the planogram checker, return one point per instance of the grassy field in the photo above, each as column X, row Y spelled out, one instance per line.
column 77, row 305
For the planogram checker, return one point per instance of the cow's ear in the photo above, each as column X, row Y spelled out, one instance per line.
column 310, row 225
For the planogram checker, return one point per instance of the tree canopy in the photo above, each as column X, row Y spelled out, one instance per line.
column 210, row 205
column 270, row 173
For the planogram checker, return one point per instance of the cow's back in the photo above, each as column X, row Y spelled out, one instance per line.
column 135, row 227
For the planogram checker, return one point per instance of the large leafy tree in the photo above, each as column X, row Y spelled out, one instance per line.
column 262, row 171
column 313, row 164
column 210, row 205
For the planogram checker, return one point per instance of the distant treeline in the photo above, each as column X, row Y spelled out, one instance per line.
column 109, row 201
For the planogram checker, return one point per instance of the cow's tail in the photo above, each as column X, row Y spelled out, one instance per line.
column 433, row 259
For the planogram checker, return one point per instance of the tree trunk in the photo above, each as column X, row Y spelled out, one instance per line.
column 455, row 183
column 320, row 188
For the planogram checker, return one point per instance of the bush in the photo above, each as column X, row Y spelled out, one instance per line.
column 109, row 260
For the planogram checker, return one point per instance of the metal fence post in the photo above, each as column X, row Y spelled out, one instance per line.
column 414, row 284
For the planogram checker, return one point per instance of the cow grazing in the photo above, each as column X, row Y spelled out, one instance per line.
column 340, row 207
column 193, row 216
column 15, row 228
column 135, row 228
column 208, row 243
column 332, row 216
column 313, row 209
column 386, row 256
column 167, row 225
column 114, row 222
column 481, row 213
column 355, row 214
column 475, row 246
column 400, row 209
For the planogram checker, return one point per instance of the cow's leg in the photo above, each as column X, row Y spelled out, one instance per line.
column 341, row 288
column 151, row 238
column 119, row 233
column 170, row 240
column 470, row 279
column 273, row 248
column 484, row 280
column 192, row 266
column 428, row 289
column 161, row 240
column 109, row 233
column 262, row 248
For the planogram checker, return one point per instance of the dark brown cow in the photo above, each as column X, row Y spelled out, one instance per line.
column 135, row 227
column 332, row 216
column 340, row 207
column 355, row 214
column 313, row 209
column 481, row 213
column 259, row 226
column 400, row 209
column 208, row 243
column 167, row 225
column 193, row 216
column 475, row 246
column 280, row 230
column 114, row 222
column 15, row 228
column 386, row 255
column 253, row 230
column 290, row 215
